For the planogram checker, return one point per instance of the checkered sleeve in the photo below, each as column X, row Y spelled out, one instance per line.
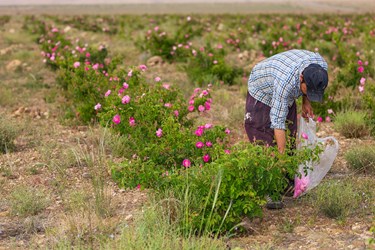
column 279, row 105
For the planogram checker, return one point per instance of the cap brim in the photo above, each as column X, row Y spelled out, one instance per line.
column 315, row 96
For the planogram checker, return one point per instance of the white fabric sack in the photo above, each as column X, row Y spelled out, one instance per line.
column 306, row 135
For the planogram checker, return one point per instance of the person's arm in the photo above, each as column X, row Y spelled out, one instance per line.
column 278, row 114
column 307, row 110
column 280, row 139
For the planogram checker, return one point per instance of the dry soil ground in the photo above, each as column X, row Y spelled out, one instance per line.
column 43, row 160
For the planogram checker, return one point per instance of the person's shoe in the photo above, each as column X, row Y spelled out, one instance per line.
column 289, row 192
column 273, row 204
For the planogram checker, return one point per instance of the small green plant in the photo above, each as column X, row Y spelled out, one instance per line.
column 77, row 200
column 4, row 19
column 155, row 230
column 27, row 201
column 372, row 239
column 352, row 124
column 336, row 199
column 95, row 160
column 287, row 226
column 35, row 169
column 8, row 133
column 361, row 159
column 7, row 97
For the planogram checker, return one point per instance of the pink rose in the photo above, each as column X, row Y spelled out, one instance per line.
column 206, row 158
column 186, row 163
column 207, row 106
column 166, row 86
column 199, row 144
column 362, row 81
column 120, row 91
column 76, row 64
column 204, row 92
column 304, row 136
column 159, row 132
column 95, row 66
column 143, row 67
column 98, row 106
column 300, row 186
column 131, row 121
column 199, row 132
column 116, row 119
column 125, row 99
column 208, row 126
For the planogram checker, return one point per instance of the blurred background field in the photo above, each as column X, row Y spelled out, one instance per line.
column 183, row 7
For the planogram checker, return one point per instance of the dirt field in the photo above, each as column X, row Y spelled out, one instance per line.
column 29, row 96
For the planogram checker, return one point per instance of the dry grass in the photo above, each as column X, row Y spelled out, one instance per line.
column 26, row 201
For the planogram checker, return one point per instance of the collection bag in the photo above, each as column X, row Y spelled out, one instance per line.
column 312, row 173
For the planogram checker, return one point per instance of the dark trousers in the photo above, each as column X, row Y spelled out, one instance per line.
column 258, row 122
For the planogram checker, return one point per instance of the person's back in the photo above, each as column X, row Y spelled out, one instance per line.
column 283, row 68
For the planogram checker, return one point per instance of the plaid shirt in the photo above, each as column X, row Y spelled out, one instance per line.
column 275, row 81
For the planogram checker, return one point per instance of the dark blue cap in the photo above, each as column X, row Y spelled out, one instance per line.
column 316, row 79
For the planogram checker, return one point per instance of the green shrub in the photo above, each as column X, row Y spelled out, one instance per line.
column 208, row 66
column 176, row 47
column 222, row 192
column 8, row 133
column 352, row 124
column 151, row 119
column 361, row 159
column 336, row 199
column 82, row 71
column 27, row 201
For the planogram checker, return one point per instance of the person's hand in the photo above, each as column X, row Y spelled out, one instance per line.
column 307, row 110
